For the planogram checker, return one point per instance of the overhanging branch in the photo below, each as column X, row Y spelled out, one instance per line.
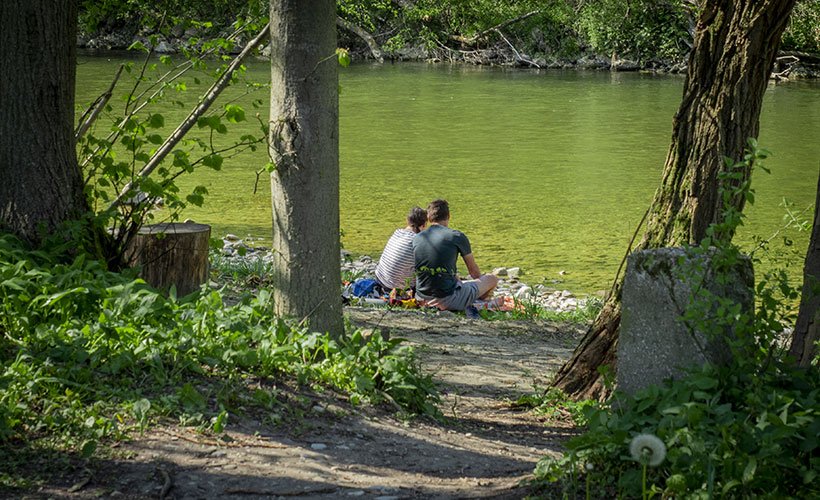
column 364, row 35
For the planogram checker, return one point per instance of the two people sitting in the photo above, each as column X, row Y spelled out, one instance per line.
column 435, row 252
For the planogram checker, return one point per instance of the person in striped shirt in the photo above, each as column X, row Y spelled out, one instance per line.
column 397, row 265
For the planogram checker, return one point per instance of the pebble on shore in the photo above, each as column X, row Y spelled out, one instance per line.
column 236, row 249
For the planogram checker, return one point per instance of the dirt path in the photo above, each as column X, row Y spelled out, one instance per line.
column 483, row 449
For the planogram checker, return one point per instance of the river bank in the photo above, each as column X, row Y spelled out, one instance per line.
column 789, row 64
column 236, row 253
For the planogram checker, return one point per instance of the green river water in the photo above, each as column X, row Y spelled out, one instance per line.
column 547, row 170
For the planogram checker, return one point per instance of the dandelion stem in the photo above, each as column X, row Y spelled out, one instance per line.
column 644, row 496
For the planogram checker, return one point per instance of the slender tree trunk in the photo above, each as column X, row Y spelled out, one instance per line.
column 729, row 66
column 804, row 338
column 305, row 149
column 40, row 183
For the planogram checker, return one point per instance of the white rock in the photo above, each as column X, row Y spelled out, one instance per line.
column 500, row 271
column 514, row 272
column 318, row 446
column 164, row 48
column 524, row 292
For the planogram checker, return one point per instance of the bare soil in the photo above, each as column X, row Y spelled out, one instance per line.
column 484, row 448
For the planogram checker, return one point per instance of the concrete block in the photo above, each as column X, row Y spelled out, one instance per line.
column 654, row 344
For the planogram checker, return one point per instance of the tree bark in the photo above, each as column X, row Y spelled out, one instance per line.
column 40, row 182
column 735, row 45
column 804, row 339
column 305, row 149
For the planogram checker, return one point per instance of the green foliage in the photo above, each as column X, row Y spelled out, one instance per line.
column 167, row 18
column 243, row 273
column 727, row 433
column 554, row 404
column 642, row 30
column 88, row 354
column 746, row 429
column 803, row 32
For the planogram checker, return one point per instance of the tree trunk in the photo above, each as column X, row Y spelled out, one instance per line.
column 305, row 149
column 734, row 50
column 40, row 183
column 804, row 339
column 172, row 254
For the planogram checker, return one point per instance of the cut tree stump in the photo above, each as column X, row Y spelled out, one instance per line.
column 172, row 254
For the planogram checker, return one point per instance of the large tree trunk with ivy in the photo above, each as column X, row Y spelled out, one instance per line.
column 305, row 150
column 804, row 339
column 40, row 183
column 729, row 66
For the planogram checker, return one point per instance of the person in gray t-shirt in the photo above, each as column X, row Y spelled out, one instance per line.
column 436, row 251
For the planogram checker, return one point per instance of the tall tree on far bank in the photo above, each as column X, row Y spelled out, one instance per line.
column 735, row 45
column 804, row 338
column 41, row 185
column 305, row 150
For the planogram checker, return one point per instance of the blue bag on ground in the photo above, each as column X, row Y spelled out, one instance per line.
column 363, row 287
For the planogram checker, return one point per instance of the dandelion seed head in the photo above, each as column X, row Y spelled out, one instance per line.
column 648, row 449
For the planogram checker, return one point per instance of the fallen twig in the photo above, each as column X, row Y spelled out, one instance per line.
column 482, row 34
column 518, row 56
column 80, row 485
column 214, row 442
column 166, row 483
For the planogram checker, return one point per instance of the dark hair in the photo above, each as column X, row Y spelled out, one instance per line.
column 438, row 210
column 416, row 218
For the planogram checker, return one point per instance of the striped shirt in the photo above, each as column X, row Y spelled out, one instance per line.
column 397, row 265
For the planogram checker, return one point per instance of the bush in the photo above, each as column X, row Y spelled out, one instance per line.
column 803, row 32
column 88, row 354
column 727, row 434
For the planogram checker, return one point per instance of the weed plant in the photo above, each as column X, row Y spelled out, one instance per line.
column 89, row 355
column 746, row 429
column 554, row 404
column 242, row 273
column 531, row 310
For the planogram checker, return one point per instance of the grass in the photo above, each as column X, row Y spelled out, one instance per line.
column 531, row 310
column 553, row 404
column 240, row 273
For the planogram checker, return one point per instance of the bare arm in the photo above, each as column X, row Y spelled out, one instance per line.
column 472, row 267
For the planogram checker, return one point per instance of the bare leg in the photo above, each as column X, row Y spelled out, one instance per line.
column 486, row 285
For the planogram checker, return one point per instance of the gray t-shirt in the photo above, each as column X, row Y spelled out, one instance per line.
column 435, row 251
